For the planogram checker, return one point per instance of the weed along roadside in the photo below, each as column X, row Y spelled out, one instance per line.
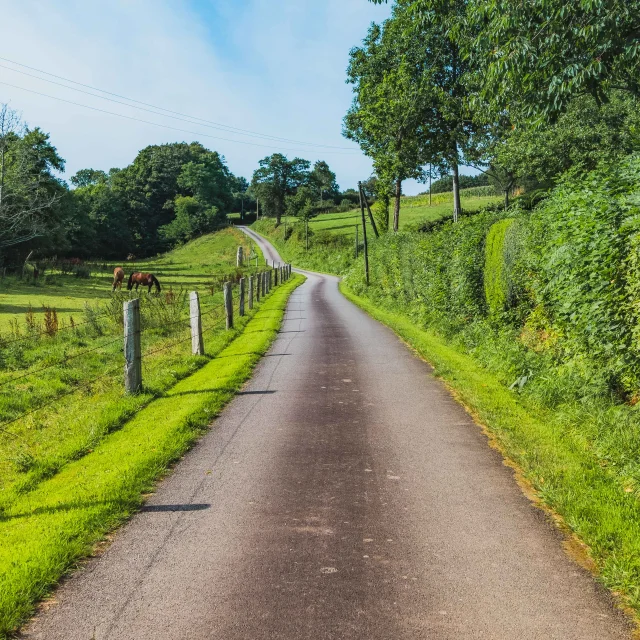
column 43, row 532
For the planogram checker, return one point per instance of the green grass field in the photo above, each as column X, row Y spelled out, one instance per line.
column 195, row 266
column 413, row 210
column 44, row 530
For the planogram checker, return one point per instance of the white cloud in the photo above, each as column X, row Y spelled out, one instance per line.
column 273, row 67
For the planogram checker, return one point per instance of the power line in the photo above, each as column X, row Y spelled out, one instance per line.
column 157, row 124
column 191, row 119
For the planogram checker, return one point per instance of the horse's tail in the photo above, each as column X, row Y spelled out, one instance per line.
column 155, row 281
column 130, row 283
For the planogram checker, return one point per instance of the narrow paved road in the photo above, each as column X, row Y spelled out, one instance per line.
column 343, row 495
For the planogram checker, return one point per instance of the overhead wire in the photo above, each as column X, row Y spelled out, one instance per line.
column 157, row 110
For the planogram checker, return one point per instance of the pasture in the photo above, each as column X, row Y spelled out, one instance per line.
column 61, row 377
column 413, row 211
column 194, row 266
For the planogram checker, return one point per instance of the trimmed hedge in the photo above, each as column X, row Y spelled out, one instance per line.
column 496, row 287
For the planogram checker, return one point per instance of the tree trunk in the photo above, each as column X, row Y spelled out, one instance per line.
column 396, row 206
column 386, row 208
column 456, row 190
column 506, row 198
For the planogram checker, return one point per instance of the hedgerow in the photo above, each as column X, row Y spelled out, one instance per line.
column 549, row 298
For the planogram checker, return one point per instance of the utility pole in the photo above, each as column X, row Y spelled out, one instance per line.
column 373, row 222
column 357, row 242
column 364, row 233
column 306, row 233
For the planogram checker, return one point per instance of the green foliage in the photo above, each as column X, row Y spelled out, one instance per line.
column 147, row 190
column 586, row 234
column 323, row 180
column 32, row 197
column 540, row 54
column 567, row 275
column 445, row 183
column 275, row 179
column 192, row 219
column 495, row 277
column 586, row 135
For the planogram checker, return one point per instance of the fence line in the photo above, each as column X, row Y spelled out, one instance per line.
column 261, row 280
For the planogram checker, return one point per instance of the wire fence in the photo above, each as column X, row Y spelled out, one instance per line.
column 236, row 299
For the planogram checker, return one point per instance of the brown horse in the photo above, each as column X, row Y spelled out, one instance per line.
column 118, row 277
column 144, row 279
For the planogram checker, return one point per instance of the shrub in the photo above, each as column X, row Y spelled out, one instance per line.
column 496, row 289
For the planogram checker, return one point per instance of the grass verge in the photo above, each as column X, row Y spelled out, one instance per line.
column 561, row 467
column 44, row 532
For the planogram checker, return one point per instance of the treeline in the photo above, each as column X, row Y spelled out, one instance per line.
column 522, row 91
column 170, row 193
column 445, row 184
column 295, row 188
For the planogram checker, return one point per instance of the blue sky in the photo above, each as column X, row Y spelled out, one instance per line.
column 272, row 67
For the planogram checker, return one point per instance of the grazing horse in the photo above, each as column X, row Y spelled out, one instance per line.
column 118, row 277
column 144, row 279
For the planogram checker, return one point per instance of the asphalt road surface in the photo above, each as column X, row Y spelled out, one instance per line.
column 342, row 495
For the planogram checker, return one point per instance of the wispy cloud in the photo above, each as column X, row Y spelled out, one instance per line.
column 272, row 67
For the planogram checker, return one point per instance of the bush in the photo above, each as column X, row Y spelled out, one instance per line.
column 495, row 273
column 561, row 285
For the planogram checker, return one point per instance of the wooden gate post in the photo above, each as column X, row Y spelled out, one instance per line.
column 197, row 343
column 132, row 347
column 228, row 304
column 241, row 306
column 250, row 292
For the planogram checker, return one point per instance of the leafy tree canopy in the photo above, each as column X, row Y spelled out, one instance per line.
column 275, row 179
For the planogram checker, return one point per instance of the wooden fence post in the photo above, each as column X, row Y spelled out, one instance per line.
column 258, row 291
column 250, row 292
column 239, row 257
column 241, row 306
column 364, row 233
column 275, row 276
column 228, row 304
column 132, row 347
column 197, row 343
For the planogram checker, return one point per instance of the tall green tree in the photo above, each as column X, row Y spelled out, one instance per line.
column 275, row 179
column 388, row 117
column 323, row 179
column 31, row 194
column 159, row 174
column 541, row 54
